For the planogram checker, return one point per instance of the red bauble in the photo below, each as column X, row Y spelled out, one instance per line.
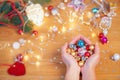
column 50, row 7
column 87, row 47
column 17, row 69
column 20, row 32
column 35, row 33
column 19, row 57
column 101, row 35
column 87, row 54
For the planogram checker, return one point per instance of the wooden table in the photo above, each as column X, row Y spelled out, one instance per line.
column 48, row 48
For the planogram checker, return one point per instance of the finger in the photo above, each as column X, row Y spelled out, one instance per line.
column 80, row 37
column 97, row 49
column 86, row 40
column 75, row 39
column 63, row 50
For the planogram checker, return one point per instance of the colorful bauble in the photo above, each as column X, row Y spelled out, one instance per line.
column 20, row 32
column 116, row 57
column 19, row 57
column 81, row 51
column 95, row 10
column 81, row 43
column 16, row 45
column 103, row 39
column 35, row 33
column 50, row 7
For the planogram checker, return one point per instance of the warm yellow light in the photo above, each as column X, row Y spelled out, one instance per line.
column 89, row 15
column 93, row 35
column 29, row 41
column 72, row 16
column 41, row 38
column 37, row 63
column 26, row 57
column 38, row 57
column 63, row 29
column 71, row 20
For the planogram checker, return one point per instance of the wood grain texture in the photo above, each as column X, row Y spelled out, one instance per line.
column 50, row 67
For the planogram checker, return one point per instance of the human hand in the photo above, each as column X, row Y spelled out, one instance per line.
column 68, row 59
column 88, row 70
column 92, row 61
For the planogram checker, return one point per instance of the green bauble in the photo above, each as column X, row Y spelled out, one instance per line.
column 16, row 20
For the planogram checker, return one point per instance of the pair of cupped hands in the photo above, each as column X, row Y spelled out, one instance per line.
column 71, row 63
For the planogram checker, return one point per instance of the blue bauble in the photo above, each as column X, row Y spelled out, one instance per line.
column 81, row 43
column 95, row 10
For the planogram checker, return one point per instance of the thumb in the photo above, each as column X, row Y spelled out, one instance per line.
column 63, row 49
column 97, row 49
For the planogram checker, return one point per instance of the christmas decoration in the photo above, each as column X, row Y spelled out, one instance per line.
column 16, row 45
column 116, row 57
column 13, row 17
column 20, row 32
column 35, row 13
column 103, row 39
column 77, row 4
column 35, row 33
column 81, row 51
column 18, row 68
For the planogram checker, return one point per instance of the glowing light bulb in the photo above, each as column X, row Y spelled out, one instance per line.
column 26, row 57
column 38, row 57
column 71, row 20
column 41, row 38
column 63, row 29
column 89, row 15
column 93, row 35
column 29, row 41
column 37, row 63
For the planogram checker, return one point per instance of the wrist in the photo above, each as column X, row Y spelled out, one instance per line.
column 88, row 70
column 73, row 68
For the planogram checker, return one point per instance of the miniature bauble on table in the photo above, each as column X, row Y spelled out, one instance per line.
column 116, row 57
column 20, row 32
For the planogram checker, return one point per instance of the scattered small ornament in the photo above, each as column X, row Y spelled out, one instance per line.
column 16, row 45
column 20, row 32
column 77, row 4
column 19, row 57
column 54, row 11
column 22, row 41
column 62, row 6
column 95, row 10
column 50, row 7
column 116, row 57
column 35, row 33
column 81, row 51
column 103, row 39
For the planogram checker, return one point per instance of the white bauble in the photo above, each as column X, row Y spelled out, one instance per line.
column 116, row 57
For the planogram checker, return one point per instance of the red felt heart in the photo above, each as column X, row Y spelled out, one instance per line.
column 17, row 69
